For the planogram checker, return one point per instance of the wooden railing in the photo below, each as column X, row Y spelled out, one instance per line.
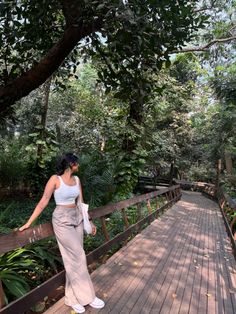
column 228, row 209
column 188, row 185
column 18, row 239
column 226, row 204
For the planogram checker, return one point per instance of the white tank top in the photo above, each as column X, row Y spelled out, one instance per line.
column 66, row 194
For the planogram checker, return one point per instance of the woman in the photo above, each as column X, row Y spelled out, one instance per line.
column 68, row 228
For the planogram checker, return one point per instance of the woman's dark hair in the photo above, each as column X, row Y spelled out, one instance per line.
column 65, row 162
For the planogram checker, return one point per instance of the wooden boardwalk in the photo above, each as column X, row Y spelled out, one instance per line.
column 182, row 263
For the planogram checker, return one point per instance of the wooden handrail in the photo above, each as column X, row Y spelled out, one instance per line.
column 228, row 209
column 18, row 239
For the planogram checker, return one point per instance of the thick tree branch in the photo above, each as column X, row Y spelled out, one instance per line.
column 34, row 77
column 207, row 46
column 71, row 11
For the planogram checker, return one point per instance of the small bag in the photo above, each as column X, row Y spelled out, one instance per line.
column 84, row 210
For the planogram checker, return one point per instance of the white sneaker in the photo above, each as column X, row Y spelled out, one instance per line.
column 97, row 303
column 78, row 308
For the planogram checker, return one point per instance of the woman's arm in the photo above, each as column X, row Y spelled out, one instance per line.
column 49, row 189
column 80, row 191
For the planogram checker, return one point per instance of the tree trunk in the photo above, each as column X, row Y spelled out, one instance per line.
column 218, row 171
column 228, row 163
column 171, row 175
column 44, row 112
column 135, row 117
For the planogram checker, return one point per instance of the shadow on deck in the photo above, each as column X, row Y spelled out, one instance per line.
column 181, row 263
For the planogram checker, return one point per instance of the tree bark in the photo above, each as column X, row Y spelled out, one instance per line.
column 171, row 175
column 44, row 113
column 228, row 163
column 218, row 171
column 135, row 117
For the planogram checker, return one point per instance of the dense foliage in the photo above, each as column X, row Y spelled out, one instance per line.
column 108, row 83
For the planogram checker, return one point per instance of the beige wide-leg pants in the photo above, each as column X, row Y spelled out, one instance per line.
column 68, row 229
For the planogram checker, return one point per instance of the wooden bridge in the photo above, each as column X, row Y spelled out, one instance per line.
column 183, row 262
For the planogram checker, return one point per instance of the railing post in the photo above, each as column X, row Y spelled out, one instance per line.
column 178, row 192
column 157, row 206
column 2, row 300
column 149, row 210
column 167, row 196
column 222, row 203
column 174, row 193
column 104, row 229
column 125, row 218
column 139, row 212
column 149, row 207
column 170, row 197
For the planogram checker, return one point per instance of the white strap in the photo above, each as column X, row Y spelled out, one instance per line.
column 77, row 180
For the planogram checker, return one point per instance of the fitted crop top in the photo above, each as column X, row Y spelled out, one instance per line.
column 66, row 194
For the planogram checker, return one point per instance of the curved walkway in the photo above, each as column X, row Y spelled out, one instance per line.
column 182, row 263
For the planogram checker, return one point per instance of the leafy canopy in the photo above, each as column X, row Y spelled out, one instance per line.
column 132, row 37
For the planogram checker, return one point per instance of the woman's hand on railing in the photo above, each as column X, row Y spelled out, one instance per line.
column 25, row 226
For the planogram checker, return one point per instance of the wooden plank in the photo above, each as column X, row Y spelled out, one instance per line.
column 172, row 300
column 141, row 286
column 24, row 303
column 212, row 302
column 17, row 239
column 229, row 278
column 221, row 278
column 119, row 265
column 203, row 297
column 166, row 239
column 190, row 263
column 141, row 256
column 186, row 271
column 157, row 286
column 59, row 308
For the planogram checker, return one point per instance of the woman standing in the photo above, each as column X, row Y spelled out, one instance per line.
column 67, row 223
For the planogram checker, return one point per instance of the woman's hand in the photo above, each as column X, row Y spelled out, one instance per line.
column 25, row 226
column 49, row 189
column 94, row 228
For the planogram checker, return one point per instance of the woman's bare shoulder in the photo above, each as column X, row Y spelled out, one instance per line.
column 53, row 179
